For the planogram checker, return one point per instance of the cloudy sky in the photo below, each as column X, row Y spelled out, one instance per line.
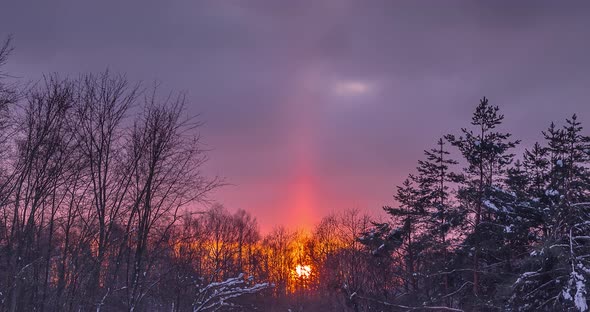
column 316, row 106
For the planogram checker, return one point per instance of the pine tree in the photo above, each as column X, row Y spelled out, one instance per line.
column 487, row 154
column 521, row 217
column 402, row 237
column 434, row 178
column 536, row 165
column 408, row 217
column 555, row 275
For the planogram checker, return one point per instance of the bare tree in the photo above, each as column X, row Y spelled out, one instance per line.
column 104, row 100
column 166, row 178
column 8, row 96
column 31, row 190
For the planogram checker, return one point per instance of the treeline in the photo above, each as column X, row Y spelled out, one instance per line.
column 489, row 231
column 314, row 270
column 89, row 196
column 100, row 179
column 475, row 227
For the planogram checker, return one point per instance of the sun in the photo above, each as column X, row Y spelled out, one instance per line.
column 303, row 271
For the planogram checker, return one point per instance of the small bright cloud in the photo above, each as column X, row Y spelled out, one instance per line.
column 350, row 88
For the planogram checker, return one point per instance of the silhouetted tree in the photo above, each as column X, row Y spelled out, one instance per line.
column 487, row 153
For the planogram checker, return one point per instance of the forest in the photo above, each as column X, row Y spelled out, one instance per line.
column 99, row 177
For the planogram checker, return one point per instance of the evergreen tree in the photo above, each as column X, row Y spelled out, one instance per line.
column 402, row 237
column 536, row 166
column 487, row 154
column 517, row 231
column 555, row 275
column 434, row 178
column 408, row 218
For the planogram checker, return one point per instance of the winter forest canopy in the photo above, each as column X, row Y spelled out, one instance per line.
column 99, row 177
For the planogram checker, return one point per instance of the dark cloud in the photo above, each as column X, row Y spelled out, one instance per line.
column 351, row 91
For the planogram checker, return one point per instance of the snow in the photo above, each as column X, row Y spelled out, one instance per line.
column 378, row 249
column 477, row 143
column 523, row 276
column 579, row 297
column 490, row 205
column 551, row 192
column 217, row 294
column 583, row 268
column 559, row 162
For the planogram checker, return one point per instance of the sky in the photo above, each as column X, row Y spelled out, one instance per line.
column 315, row 106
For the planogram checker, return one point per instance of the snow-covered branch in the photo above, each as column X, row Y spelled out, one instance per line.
column 218, row 294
